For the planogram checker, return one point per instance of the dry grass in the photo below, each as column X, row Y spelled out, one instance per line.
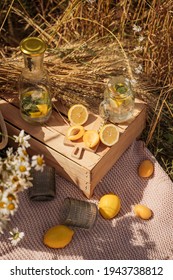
column 89, row 42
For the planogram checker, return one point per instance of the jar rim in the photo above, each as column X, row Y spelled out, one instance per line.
column 33, row 46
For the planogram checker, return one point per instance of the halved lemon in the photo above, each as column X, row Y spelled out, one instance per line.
column 109, row 134
column 43, row 108
column 75, row 132
column 91, row 138
column 78, row 114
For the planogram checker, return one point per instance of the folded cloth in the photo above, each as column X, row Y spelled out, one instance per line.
column 43, row 184
column 123, row 237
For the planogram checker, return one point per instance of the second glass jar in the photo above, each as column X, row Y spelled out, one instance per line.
column 118, row 103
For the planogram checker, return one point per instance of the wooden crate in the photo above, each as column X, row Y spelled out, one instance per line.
column 87, row 171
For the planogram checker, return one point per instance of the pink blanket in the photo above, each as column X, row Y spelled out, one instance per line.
column 124, row 237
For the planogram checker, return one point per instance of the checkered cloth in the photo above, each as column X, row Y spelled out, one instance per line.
column 123, row 237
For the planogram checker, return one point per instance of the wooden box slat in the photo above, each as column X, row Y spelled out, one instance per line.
column 48, row 139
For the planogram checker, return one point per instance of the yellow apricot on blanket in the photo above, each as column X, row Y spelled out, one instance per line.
column 142, row 211
column 58, row 236
column 146, row 168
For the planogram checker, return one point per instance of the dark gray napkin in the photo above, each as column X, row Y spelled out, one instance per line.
column 43, row 184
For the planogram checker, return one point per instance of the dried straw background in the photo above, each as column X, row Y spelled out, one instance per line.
column 90, row 40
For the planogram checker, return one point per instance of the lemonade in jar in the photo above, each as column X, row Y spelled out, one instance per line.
column 34, row 88
column 118, row 103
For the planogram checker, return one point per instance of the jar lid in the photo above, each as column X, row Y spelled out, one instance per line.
column 32, row 46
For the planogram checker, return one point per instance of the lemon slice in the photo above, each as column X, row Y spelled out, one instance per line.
column 78, row 114
column 43, row 108
column 75, row 132
column 109, row 134
column 35, row 114
column 91, row 138
column 109, row 205
column 115, row 103
column 58, row 236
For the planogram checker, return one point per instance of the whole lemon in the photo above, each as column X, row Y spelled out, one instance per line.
column 109, row 205
column 58, row 236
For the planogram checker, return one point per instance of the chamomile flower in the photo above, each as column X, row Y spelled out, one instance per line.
column 3, row 222
column 8, row 203
column 23, row 168
column 38, row 162
column 91, row 1
column 139, row 69
column 137, row 28
column 22, row 153
column 16, row 236
column 141, row 38
column 3, row 204
column 22, row 139
column 133, row 82
column 138, row 49
column 15, row 176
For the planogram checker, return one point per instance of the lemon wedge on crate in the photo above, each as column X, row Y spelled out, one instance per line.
column 78, row 114
column 109, row 134
column 109, row 205
column 91, row 138
column 58, row 236
column 75, row 132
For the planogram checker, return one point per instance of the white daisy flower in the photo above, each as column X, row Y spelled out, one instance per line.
column 138, row 48
column 136, row 28
column 3, row 221
column 23, row 168
column 22, row 140
column 3, row 207
column 9, row 152
column 139, row 69
column 91, row 1
column 38, row 162
column 133, row 82
column 16, row 236
column 22, row 153
column 141, row 38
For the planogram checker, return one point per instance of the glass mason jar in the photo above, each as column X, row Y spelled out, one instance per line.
column 118, row 103
column 34, row 88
